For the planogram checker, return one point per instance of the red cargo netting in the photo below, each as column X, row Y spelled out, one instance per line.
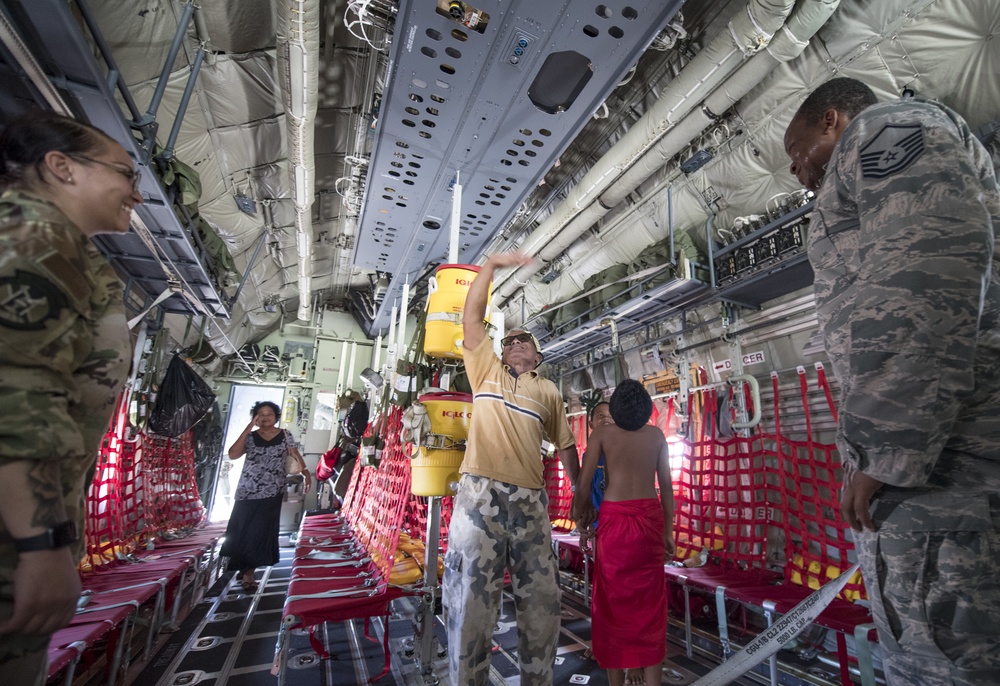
column 719, row 493
column 143, row 486
column 805, row 479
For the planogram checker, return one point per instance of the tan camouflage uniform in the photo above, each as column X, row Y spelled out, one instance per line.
column 908, row 295
column 64, row 349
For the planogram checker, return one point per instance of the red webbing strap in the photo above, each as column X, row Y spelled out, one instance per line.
column 316, row 644
column 825, row 385
column 349, row 504
column 384, row 498
column 557, row 485
column 809, row 477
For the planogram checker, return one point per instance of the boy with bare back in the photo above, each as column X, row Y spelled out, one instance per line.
column 629, row 609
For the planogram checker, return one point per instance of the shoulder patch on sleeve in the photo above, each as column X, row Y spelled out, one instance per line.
column 892, row 150
column 28, row 301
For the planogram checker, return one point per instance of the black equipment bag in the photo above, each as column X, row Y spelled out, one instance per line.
column 184, row 398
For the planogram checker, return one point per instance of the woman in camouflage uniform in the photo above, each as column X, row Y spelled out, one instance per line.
column 64, row 350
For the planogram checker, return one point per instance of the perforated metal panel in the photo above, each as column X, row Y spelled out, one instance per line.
column 458, row 101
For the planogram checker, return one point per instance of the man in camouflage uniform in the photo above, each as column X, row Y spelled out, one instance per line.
column 903, row 244
column 500, row 517
column 64, row 351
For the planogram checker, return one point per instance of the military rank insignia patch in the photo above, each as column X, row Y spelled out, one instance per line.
column 28, row 301
column 892, row 150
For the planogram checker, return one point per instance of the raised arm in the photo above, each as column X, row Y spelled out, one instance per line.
column 583, row 511
column 474, row 314
column 239, row 447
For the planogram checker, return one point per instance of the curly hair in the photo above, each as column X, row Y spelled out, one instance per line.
column 631, row 406
column 846, row 95
column 266, row 403
column 26, row 140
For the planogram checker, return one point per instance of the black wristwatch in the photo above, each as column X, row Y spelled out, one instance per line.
column 58, row 536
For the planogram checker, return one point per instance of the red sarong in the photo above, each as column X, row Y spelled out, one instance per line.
column 629, row 610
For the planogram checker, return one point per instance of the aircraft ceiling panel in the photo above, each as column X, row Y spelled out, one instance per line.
column 498, row 107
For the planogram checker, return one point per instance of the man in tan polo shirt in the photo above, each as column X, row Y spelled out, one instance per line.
column 500, row 517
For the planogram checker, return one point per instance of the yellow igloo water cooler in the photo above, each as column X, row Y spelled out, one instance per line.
column 446, row 293
column 434, row 469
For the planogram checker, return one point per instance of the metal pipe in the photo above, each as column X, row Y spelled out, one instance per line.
column 199, row 58
column 168, row 65
column 246, row 273
column 106, row 55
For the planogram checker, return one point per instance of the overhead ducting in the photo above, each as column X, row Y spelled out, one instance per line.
column 298, row 65
column 709, row 85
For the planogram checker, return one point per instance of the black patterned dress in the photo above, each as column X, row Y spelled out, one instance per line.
column 252, row 535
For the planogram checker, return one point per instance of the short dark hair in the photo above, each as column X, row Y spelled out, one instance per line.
column 844, row 94
column 631, row 406
column 266, row 403
column 593, row 409
column 26, row 140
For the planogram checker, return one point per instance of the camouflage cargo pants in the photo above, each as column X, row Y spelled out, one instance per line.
column 935, row 593
column 496, row 526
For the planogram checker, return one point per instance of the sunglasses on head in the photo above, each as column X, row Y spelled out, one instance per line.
column 523, row 337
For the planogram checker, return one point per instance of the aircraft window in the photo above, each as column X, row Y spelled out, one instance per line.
column 387, row 189
column 400, row 204
column 604, row 12
column 487, row 216
column 415, row 165
column 433, row 35
column 394, row 173
column 506, row 163
column 430, row 52
column 545, row 132
column 525, row 132
column 447, row 69
column 398, row 165
column 523, row 163
column 387, row 197
column 433, row 111
column 452, row 52
column 480, row 202
column 437, row 98
column 630, row 13
column 415, row 98
column 407, row 182
column 411, row 174
column 407, row 122
column 459, row 35
column 490, row 188
column 495, row 202
column 616, row 32
column 512, row 153
column 401, row 144
column 418, row 83
column 591, row 31
column 412, row 110
column 442, row 85
column 424, row 134
column 530, row 153
column 501, row 195
column 428, row 123
column 537, row 143
column 506, row 188
column 417, row 156
column 518, row 142
column 484, row 195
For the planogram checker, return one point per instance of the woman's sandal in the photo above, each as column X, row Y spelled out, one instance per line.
column 248, row 585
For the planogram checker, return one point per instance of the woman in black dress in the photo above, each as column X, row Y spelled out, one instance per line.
column 252, row 535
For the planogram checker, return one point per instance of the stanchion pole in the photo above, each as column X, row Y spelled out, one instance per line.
column 431, row 589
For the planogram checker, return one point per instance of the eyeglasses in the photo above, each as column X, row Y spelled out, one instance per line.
column 523, row 337
column 133, row 176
